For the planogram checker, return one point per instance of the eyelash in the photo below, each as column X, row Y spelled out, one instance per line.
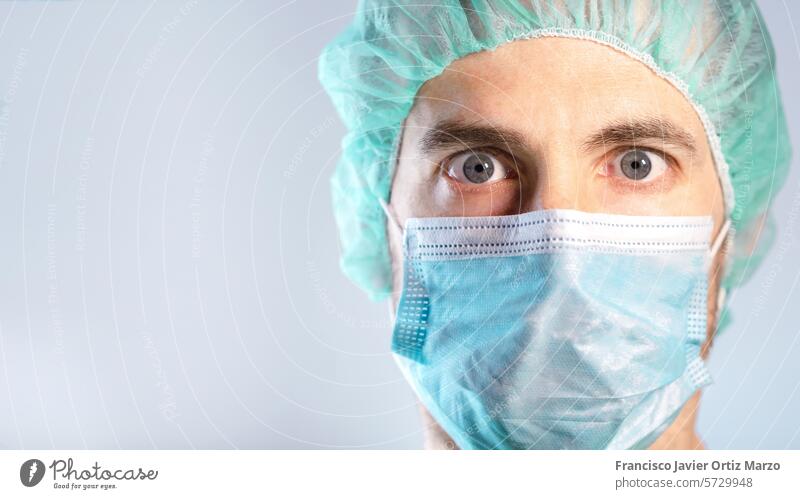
column 511, row 164
column 670, row 162
column 508, row 159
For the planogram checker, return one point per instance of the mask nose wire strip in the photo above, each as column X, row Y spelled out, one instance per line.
column 390, row 214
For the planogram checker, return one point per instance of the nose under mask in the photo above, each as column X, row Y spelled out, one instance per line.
column 554, row 329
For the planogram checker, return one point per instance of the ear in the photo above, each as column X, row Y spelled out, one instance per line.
column 748, row 236
column 750, row 243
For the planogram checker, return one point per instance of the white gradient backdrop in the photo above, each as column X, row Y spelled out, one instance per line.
column 169, row 257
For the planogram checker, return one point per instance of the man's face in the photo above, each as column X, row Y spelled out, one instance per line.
column 552, row 123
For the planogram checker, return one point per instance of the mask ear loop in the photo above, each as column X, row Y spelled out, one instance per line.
column 390, row 214
column 392, row 217
column 719, row 240
column 722, row 293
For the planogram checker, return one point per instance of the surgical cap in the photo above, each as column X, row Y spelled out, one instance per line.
column 716, row 52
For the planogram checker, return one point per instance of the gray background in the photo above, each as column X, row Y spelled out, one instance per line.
column 169, row 259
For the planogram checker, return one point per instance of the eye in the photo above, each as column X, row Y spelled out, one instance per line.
column 476, row 168
column 638, row 165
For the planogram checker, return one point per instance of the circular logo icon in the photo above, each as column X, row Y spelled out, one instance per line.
column 31, row 472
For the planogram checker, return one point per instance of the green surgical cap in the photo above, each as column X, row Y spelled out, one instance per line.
column 717, row 53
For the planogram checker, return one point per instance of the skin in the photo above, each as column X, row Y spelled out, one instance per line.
column 546, row 99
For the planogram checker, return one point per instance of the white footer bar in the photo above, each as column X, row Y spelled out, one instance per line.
column 378, row 474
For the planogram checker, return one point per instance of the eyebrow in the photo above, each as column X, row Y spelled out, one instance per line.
column 447, row 134
column 618, row 133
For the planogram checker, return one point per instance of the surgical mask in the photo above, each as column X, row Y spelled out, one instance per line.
column 554, row 329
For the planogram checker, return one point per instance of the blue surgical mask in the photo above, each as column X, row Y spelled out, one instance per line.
column 554, row 329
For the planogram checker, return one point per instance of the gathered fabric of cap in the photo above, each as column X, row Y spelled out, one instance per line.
column 716, row 52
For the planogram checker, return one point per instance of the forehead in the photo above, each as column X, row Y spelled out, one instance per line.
column 550, row 85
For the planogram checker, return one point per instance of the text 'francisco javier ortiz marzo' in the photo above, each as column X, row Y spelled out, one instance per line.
column 694, row 465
